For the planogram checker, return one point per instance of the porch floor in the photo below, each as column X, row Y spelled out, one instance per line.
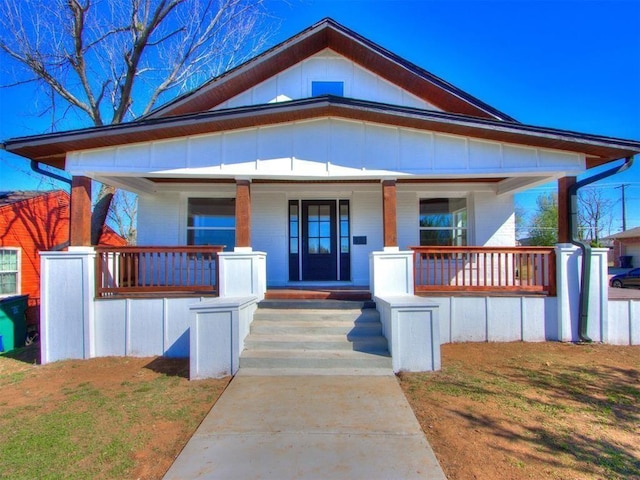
column 318, row 292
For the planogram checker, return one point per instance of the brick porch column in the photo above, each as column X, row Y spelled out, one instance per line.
column 389, row 213
column 80, row 215
column 564, row 183
column 243, row 214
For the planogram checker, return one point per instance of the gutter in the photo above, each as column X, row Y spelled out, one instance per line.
column 585, row 274
column 35, row 166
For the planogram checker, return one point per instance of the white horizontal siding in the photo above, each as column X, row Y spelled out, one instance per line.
column 295, row 83
column 269, row 233
column 366, row 221
column 160, row 220
column 493, row 220
column 408, row 211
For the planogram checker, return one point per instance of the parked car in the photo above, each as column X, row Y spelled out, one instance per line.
column 629, row 279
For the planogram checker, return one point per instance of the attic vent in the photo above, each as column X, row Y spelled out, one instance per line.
column 327, row 88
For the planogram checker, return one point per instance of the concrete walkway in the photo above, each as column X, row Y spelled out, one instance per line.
column 309, row 427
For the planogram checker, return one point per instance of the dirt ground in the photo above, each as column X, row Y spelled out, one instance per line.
column 507, row 411
column 532, row 411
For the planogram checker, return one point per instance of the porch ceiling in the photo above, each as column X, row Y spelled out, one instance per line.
column 153, row 185
column 52, row 148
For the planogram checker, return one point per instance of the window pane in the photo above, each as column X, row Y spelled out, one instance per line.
column 325, row 245
column 313, row 212
column 344, row 245
column 293, row 229
column 344, row 228
column 325, row 213
column 8, row 261
column 443, row 212
column 212, row 212
column 443, row 238
column 344, row 211
column 212, row 237
column 293, row 212
column 314, row 229
column 325, row 229
column 8, row 283
column 314, row 245
column 443, row 221
column 293, row 245
column 327, row 88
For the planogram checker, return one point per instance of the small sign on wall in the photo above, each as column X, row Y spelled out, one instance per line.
column 361, row 240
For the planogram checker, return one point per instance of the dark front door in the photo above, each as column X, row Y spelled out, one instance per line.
column 319, row 240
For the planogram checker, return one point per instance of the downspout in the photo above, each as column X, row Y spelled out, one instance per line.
column 585, row 275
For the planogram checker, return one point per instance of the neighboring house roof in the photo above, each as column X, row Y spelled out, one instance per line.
column 633, row 233
column 51, row 148
column 9, row 198
column 329, row 34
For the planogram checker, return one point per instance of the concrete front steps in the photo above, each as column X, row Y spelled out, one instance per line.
column 315, row 338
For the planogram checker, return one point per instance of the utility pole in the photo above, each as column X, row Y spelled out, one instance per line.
column 624, row 213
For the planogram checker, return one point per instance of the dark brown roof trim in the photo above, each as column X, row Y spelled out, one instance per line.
column 54, row 146
column 329, row 34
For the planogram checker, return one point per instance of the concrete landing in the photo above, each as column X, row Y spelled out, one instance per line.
column 309, row 427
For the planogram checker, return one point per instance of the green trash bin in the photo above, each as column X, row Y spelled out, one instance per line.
column 13, row 323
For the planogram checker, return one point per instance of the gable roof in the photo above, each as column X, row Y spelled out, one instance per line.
column 51, row 148
column 329, row 34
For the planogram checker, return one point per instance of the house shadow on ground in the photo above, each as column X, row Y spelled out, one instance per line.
column 29, row 354
column 172, row 367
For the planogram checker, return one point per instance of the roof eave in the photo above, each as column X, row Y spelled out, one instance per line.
column 51, row 149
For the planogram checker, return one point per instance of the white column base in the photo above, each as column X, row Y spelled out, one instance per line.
column 67, row 285
column 391, row 273
column 243, row 273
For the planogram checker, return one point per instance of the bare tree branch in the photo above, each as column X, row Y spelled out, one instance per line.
column 113, row 60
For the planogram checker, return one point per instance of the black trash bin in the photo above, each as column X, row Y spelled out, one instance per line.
column 625, row 261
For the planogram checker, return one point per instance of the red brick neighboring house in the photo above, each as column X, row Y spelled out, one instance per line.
column 30, row 222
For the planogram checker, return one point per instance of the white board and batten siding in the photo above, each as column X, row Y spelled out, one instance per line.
column 324, row 148
column 497, row 319
column 295, row 82
column 142, row 327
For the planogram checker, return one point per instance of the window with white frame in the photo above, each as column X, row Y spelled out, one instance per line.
column 212, row 221
column 443, row 222
column 9, row 271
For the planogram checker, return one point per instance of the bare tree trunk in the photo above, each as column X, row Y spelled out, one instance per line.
column 100, row 212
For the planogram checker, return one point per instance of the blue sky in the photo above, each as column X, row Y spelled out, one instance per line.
column 573, row 65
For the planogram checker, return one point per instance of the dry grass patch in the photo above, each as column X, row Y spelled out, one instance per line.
column 521, row 411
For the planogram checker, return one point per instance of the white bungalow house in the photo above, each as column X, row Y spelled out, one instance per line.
column 325, row 161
